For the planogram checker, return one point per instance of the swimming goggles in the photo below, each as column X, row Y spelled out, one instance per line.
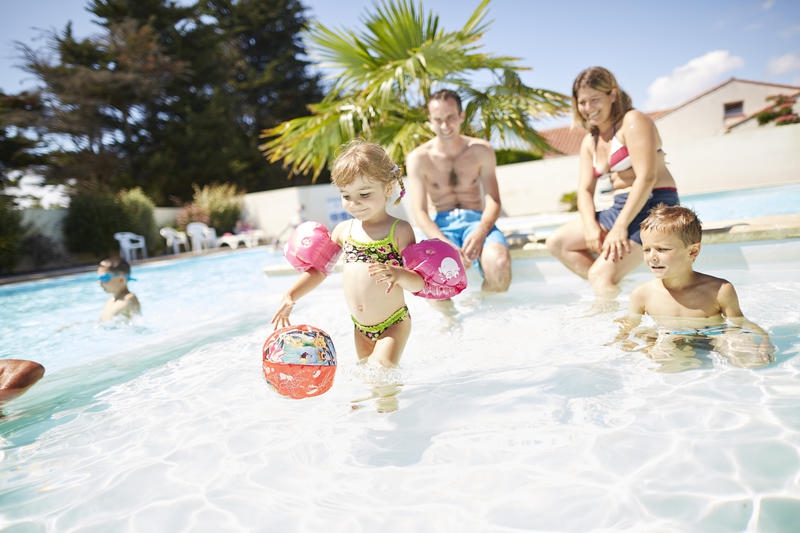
column 105, row 278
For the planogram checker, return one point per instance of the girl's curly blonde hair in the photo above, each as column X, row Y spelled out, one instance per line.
column 361, row 158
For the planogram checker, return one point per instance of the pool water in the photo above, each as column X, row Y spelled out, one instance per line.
column 745, row 203
column 518, row 415
column 710, row 208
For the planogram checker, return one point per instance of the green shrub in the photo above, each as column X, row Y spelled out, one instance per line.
column 507, row 156
column 95, row 216
column 42, row 250
column 10, row 234
column 191, row 213
column 138, row 212
column 223, row 203
column 571, row 200
column 781, row 112
column 92, row 219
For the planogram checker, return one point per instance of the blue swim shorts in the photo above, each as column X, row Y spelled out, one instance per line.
column 606, row 218
column 458, row 224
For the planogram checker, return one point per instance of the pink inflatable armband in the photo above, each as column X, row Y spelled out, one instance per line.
column 440, row 266
column 310, row 245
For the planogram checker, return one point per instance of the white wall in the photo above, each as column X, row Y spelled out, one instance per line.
column 273, row 211
column 738, row 160
column 705, row 116
column 537, row 186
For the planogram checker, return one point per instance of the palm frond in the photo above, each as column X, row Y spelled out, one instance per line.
column 384, row 75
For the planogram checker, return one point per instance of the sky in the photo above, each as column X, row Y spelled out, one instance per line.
column 662, row 53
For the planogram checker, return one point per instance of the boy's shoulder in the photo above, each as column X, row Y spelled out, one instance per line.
column 647, row 286
column 708, row 280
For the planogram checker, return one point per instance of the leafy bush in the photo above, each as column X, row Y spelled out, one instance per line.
column 191, row 213
column 42, row 250
column 781, row 111
column 570, row 199
column 10, row 234
column 95, row 216
column 223, row 203
column 92, row 219
column 508, row 156
column 138, row 210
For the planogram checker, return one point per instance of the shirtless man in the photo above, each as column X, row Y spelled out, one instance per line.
column 456, row 174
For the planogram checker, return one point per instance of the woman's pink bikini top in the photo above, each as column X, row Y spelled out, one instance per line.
column 619, row 160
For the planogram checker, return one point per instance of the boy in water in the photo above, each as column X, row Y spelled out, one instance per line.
column 113, row 275
column 691, row 309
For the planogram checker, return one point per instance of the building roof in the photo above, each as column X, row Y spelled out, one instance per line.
column 567, row 139
column 723, row 84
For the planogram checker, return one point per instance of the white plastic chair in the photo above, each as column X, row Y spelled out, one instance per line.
column 211, row 240
column 202, row 236
column 175, row 239
column 129, row 243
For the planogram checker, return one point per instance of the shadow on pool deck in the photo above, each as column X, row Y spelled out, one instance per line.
column 524, row 242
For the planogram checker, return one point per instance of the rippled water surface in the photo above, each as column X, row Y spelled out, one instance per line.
column 515, row 416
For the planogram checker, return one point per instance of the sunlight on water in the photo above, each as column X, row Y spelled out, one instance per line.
column 517, row 416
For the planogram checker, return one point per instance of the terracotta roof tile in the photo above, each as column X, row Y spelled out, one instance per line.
column 566, row 140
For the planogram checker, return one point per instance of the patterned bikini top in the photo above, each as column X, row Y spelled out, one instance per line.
column 380, row 251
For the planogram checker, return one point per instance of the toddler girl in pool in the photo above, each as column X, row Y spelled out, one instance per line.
column 376, row 246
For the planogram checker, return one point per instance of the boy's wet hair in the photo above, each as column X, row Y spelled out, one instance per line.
column 674, row 219
column 116, row 265
column 370, row 160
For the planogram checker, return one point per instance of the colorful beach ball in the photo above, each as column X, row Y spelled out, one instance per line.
column 299, row 361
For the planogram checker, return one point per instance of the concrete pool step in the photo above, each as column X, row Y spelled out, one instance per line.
column 531, row 244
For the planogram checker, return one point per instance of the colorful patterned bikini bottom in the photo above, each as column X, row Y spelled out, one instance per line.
column 374, row 332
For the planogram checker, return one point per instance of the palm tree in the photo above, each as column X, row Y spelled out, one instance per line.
column 384, row 78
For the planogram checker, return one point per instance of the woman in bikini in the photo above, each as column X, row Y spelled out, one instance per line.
column 624, row 144
column 373, row 275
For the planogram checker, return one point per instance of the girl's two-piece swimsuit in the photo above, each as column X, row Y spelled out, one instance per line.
column 618, row 161
column 381, row 251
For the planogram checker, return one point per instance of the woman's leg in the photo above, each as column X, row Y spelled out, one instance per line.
column 605, row 275
column 568, row 245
